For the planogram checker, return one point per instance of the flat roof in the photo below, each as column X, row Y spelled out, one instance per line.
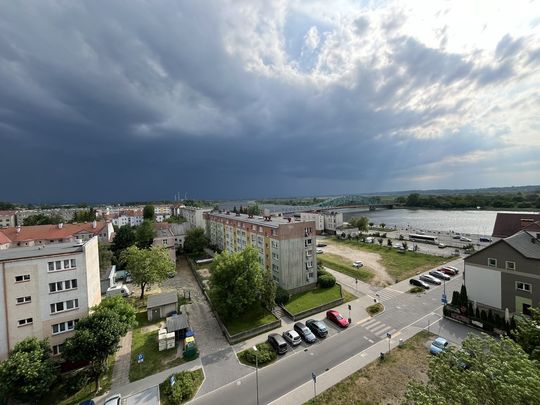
column 27, row 252
column 162, row 299
column 256, row 220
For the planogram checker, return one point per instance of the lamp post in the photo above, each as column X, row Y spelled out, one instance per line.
column 257, row 371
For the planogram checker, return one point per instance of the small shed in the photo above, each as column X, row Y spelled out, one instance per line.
column 178, row 324
column 161, row 305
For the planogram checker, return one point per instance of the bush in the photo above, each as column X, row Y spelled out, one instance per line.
column 265, row 354
column 445, row 311
column 75, row 382
column 321, row 272
column 327, row 281
column 282, row 295
column 185, row 386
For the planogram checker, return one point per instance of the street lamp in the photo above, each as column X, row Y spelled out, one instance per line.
column 257, row 371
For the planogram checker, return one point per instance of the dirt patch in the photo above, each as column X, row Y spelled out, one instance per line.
column 371, row 260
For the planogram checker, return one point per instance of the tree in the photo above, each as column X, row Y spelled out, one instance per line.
column 389, row 242
column 29, row 371
column 96, row 337
column 360, row 222
column 485, row 371
column 42, row 219
column 371, row 224
column 527, row 333
column 383, row 225
column 145, row 234
column 236, row 283
column 147, row 266
column 105, row 255
column 253, row 210
column 380, row 240
column 124, row 238
column 463, row 299
column 84, row 215
column 405, row 245
column 119, row 305
column 268, row 290
column 149, row 212
column 195, row 242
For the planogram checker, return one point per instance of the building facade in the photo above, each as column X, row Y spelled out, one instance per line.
column 7, row 218
column 193, row 215
column 286, row 248
column 45, row 290
column 165, row 238
column 506, row 274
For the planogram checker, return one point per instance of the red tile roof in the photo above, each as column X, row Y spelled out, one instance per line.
column 3, row 239
column 507, row 224
column 50, row 232
column 8, row 212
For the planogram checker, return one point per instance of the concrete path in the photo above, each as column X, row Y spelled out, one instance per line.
column 122, row 363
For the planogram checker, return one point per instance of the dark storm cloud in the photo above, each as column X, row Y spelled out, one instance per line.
column 125, row 103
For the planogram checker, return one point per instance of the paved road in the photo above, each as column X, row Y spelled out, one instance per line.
column 295, row 368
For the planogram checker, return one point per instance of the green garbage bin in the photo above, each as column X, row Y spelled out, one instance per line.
column 190, row 351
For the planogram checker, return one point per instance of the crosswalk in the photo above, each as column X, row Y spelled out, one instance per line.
column 378, row 328
column 385, row 294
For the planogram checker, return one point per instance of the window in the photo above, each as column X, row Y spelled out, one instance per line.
column 51, row 266
column 64, row 327
column 523, row 286
column 20, row 279
column 510, row 265
column 64, row 306
column 275, row 256
column 492, row 262
column 57, row 349
column 24, row 322
column 24, row 300
column 275, row 244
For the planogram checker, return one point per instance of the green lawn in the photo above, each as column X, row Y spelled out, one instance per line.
column 257, row 316
column 400, row 265
column 344, row 266
column 147, row 344
column 311, row 299
column 347, row 296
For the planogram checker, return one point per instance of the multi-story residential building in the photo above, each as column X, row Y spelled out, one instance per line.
column 317, row 217
column 506, row 274
column 286, row 248
column 332, row 221
column 21, row 236
column 7, row 218
column 193, row 215
column 126, row 217
column 45, row 290
column 165, row 238
column 66, row 213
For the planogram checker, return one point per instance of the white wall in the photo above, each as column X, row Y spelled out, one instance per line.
column 483, row 285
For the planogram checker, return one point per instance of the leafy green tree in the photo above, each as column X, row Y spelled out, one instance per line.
column 485, row 371
column 147, row 266
column 175, row 219
column 84, row 215
column 195, row 242
column 383, row 225
column 119, row 305
column 527, row 333
column 236, row 283
column 149, row 212
column 29, row 372
column 268, row 290
column 6, row 206
column 96, row 337
column 124, row 238
column 145, row 234
column 362, row 223
column 42, row 219
column 253, row 210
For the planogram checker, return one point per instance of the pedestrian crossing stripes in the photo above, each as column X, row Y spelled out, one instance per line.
column 386, row 294
column 378, row 328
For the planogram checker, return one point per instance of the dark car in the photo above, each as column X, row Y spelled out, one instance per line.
column 278, row 343
column 484, row 239
column 418, row 283
column 317, row 327
column 439, row 275
column 304, row 332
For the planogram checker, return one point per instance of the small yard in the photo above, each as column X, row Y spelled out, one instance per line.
column 399, row 265
column 344, row 266
column 313, row 298
column 145, row 341
column 257, row 316
column 382, row 382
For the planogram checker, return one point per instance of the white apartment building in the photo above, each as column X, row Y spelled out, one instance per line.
column 332, row 221
column 7, row 218
column 193, row 215
column 285, row 247
column 45, row 290
column 316, row 217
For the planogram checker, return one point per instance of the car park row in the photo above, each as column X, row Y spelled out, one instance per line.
column 435, row 277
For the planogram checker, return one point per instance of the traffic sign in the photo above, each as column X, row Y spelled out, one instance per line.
column 140, row 358
column 388, row 335
column 443, row 299
column 314, row 376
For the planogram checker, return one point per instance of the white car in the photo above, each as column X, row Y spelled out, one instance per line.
column 292, row 337
column 320, row 251
column 357, row 264
column 464, row 239
column 114, row 400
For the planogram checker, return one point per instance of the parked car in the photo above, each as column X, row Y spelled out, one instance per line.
column 304, row 332
column 465, row 239
column 114, row 400
column 438, row 346
column 88, row 402
column 278, row 343
column 440, row 275
column 453, row 268
column 430, row 279
column 456, row 236
column 320, row 251
column 418, row 283
column 292, row 337
column 317, row 327
column 484, row 239
column 357, row 264
column 441, row 245
column 448, row 271
column 336, row 317
column 369, row 239
column 320, row 244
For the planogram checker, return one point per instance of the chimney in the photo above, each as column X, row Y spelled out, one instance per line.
column 19, row 229
column 60, row 225
column 94, row 224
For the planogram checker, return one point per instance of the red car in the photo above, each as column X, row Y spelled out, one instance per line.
column 447, row 270
column 336, row 317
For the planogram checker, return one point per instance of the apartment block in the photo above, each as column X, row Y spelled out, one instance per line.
column 325, row 221
column 165, row 238
column 193, row 215
column 286, row 247
column 7, row 218
column 45, row 290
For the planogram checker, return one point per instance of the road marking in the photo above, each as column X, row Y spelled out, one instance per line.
column 391, row 289
column 368, row 339
column 379, row 328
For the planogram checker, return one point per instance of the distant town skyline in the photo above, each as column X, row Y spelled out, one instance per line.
column 251, row 99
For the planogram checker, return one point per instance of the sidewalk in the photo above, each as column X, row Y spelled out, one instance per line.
column 120, row 375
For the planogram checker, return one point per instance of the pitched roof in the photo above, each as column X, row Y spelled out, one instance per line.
column 525, row 243
column 508, row 223
column 4, row 239
column 49, row 232
column 6, row 212
column 162, row 299
column 176, row 322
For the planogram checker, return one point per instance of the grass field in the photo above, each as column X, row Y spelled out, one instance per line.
column 398, row 265
column 313, row 298
column 257, row 316
column 344, row 266
column 382, row 382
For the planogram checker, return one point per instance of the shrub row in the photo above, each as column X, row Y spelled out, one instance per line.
column 185, row 386
column 325, row 279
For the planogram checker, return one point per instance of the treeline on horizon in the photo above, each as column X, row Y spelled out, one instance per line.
column 517, row 200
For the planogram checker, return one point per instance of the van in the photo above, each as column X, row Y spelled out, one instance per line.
column 122, row 290
column 485, row 239
column 278, row 343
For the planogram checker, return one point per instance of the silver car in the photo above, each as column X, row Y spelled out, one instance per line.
column 292, row 337
column 430, row 279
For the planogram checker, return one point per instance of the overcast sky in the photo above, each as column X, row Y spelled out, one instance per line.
column 126, row 100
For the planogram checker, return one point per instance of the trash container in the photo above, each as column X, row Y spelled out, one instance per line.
column 190, row 351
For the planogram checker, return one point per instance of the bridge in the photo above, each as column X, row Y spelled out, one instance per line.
column 356, row 201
